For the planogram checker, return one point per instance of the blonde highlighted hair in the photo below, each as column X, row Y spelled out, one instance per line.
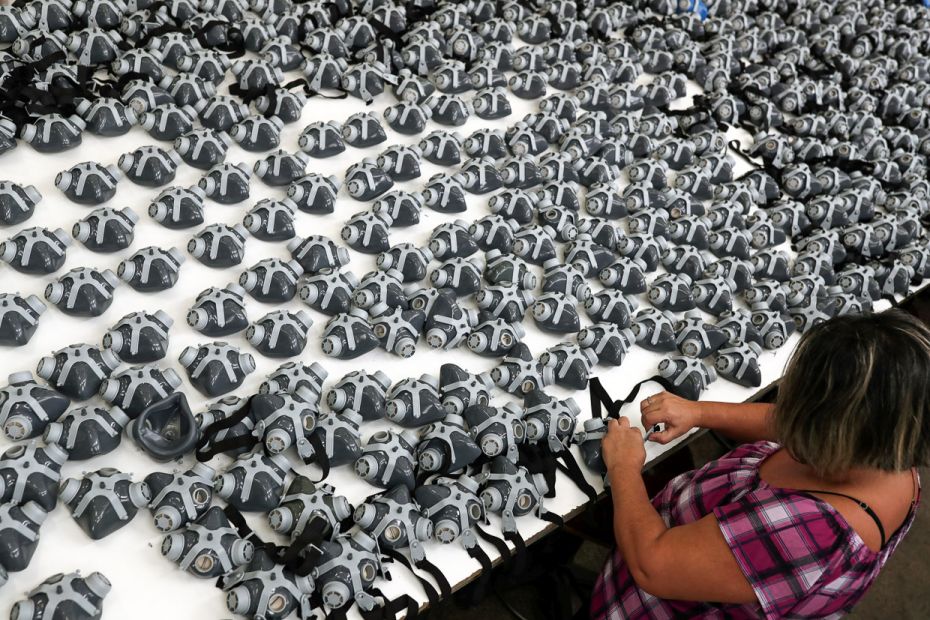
column 856, row 393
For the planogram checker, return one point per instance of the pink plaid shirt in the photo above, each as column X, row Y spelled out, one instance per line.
column 801, row 557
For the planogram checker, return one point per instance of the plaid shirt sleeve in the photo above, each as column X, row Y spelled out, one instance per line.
column 787, row 547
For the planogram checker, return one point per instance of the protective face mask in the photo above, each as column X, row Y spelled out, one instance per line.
column 216, row 368
column 150, row 166
column 272, row 280
column 151, row 269
column 19, row 318
column 104, row 501
column 202, row 148
column 78, row 370
column 388, row 459
column 348, row 335
column 209, row 547
column 219, row 312
column 253, row 482
column 135, row 388
column 280, row 334
column 281, row 168
column 180, row 499
column 17, row 203
column 607, row 341
column 284, row 420
column 226, row 183
column 89, row 183
column 264, row 588
column 337, row 586
column 35, row 250
column 178, row 207
column 271, row 220
column 698, row 339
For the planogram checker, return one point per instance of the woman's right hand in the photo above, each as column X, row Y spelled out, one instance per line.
column 679, row 415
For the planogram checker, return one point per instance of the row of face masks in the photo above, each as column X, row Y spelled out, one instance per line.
column 203, row 542
column 445, row 509
column 809, row 303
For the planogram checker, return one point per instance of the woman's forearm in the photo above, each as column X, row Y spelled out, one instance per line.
column 637, row 524
column 739, row 421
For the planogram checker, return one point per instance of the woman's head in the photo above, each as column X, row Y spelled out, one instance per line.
column 856, row 393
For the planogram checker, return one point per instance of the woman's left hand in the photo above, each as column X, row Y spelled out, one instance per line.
column 623, row 446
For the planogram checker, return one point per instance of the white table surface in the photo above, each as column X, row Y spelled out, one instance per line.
column 145, row 585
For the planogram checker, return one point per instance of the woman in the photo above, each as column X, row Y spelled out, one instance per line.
column 798, row 522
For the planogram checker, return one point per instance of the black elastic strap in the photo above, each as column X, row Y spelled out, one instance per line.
column 431, row 594
column 391, row 608
column 386, row 33
column 497, row 543
column 604, row 398
column 248, row 95
column 552, row 517
column 569, row 466
column 320, row 457
column 235, row 517
column 737, row 149
column 340, row 614
column 303, row 554
column 21, row 76
column 445, row 589
column 246, row 533
column 156, row 31
column 226, row 445
column 272, row 94
column 305, row 86
column 289, row 85
column 519, row 550
column 599, row 397
column 481, row 584
column 537, row 459
column 130, row 76
column 207, row 448
column 667, row 385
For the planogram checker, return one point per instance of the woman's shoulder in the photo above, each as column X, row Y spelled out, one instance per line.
column 769, row 510
column 693, row 494
column 790, row 546
column 741, row 463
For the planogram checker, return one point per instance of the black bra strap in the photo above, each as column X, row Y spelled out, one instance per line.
column 868, row 509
